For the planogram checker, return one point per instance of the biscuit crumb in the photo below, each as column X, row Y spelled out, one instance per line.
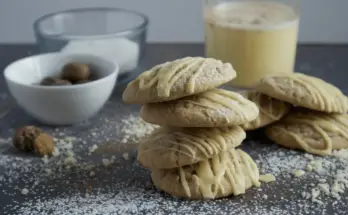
column 69, row 161
column 309, row 167
column 324, row 188
column 315, row 193
column 317, row 165
column 266, row 178
column 298, row 173
column 318, row 201
column 337, row 188
column 56, row 152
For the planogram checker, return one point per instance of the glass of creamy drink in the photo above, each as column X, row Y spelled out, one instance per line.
column 258, row 37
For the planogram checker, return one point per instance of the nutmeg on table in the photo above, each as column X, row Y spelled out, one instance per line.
column 33, row 139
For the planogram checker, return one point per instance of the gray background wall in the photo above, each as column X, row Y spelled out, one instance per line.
column 171, row 20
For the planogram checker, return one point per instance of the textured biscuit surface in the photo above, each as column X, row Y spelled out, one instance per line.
column 176, row 79
column 228, row 173
column 271, row 110
column 311, row 131
column 174, row 147
column 213, row 108
column 304, row 91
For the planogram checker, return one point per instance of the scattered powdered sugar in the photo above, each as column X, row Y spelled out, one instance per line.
column 125, row 156
column 77, row 180
column 25, row 191
column 279, row 161
column 135, row 129
column 328, row 174
column 133, row 200
column 124, row 187
column 129, row 202
column 70, row 152
column 92, row 148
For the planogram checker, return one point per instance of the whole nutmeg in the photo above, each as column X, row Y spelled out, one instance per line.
column 31, row 138
column 50, row 81
column 75, row 72
column 24, row 137
column 43, row 144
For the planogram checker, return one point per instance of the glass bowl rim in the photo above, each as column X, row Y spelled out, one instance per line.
column 128, row 31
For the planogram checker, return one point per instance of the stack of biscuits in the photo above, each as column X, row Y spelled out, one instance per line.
column 193, row 154
column 301, row 112
column 313, row 115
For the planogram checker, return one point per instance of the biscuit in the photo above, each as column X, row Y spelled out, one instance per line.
column 213, row 108
column 176, row 79
column 271, row 110
column 174, row 147
column 311, row 131
column 228, row 173
column 304, row 91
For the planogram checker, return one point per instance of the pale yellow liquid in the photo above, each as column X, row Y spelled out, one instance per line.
column 258, row 38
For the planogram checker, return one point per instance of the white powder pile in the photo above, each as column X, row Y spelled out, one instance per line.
column 134, row 129
column 130, row 129
column 123, row 51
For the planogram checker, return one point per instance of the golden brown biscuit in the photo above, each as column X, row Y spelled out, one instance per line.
column 304, row 91
column 271, row 110
column 213, row 108
column 168, row 148
column 228, row 173
column 311, row 131
column 176, row 79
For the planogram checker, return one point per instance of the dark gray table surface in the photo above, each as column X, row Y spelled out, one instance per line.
column 129, row 182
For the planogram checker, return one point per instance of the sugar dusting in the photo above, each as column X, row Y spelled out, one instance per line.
column 108, row 191
column 77, row 180
column 328, row 175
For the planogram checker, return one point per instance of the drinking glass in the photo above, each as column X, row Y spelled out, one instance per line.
column 258, row 37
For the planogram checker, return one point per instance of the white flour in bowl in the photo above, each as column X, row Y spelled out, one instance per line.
column 123, row 51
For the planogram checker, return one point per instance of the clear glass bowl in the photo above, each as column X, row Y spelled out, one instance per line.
column 113, row 33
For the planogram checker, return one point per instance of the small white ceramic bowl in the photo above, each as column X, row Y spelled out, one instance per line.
column 59, row 105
